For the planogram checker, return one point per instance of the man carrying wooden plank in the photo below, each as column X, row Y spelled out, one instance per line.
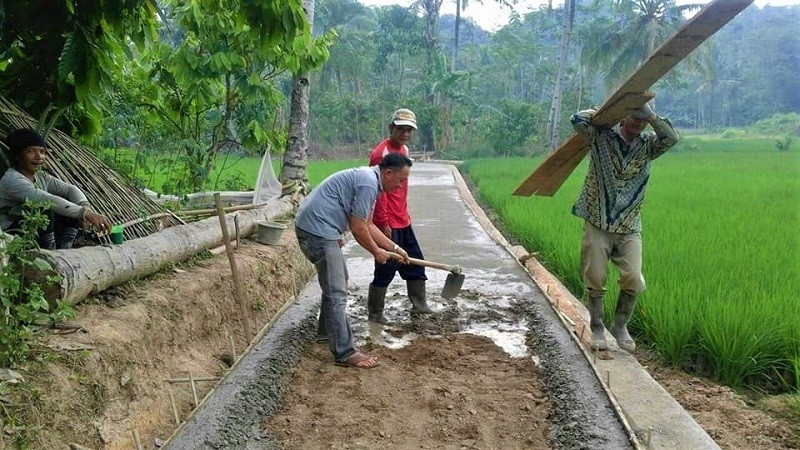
column 610, row 203
column 556, row 168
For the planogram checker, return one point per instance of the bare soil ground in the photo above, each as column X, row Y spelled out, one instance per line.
column 94, row 387
column 458, row 391
column 733, row 420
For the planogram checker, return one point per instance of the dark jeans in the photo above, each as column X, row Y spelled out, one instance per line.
column 384, row 273
column 327, row 257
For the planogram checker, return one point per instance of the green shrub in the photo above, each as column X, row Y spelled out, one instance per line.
column 777, row 125
column 783, row 144
column 23, row 302
column 733, row 133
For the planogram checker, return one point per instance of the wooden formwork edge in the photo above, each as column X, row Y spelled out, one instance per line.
column 568, row 323
column 259, row 335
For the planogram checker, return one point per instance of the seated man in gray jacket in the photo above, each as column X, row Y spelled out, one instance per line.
column 25, row 180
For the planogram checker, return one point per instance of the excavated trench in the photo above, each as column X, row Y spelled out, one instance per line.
column 499, row 302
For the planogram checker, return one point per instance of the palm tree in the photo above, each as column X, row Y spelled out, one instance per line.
column 460, row 6
column 638, row 27
column 553, row 125
column 295, row 160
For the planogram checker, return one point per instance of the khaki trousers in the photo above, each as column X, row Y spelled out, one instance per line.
column 624, row 250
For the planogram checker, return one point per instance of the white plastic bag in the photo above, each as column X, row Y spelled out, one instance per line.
column 267, row 185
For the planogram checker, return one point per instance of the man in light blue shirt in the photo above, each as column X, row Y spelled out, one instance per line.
column 345, row 201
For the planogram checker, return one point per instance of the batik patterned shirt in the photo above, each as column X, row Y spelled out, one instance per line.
column 613, row 192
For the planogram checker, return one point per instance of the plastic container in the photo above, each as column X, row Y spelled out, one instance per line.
column 269, row 232
column 117, row 235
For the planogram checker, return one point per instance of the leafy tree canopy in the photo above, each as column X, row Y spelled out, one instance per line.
column 67, row 57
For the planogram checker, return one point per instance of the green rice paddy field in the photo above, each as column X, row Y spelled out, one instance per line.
column 721, row 236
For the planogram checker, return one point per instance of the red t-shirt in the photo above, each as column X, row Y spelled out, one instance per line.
column 391, row 208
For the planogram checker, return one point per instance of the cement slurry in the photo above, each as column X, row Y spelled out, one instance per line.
column 498, row 300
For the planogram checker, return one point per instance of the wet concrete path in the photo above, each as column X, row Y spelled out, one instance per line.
column 449, row 233
column 498, row 300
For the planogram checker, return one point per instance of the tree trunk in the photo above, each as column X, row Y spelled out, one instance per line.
column 455, row 36
column 86, row 271
column 431, row 8
column 447, row 127
column 554, row 124
column 295, row 160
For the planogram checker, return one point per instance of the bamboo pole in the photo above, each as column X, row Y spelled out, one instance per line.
column 139, row 220
column 237, row 285
column 233, row 347
column 236, row 229
column 175, row 216
column 208, row 212
column 174, row 407
column 193, row 379
column 194, row 390
column 136, row 441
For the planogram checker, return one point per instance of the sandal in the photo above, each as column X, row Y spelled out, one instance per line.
column 359, row 360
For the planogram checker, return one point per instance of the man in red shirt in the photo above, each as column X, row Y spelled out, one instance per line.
column 391, row 216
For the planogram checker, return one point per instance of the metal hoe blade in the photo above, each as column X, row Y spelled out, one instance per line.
column 452, row 286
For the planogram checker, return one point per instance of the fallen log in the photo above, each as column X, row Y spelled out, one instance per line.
column 87, row 271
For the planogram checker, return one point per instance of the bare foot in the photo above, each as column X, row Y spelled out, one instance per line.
column 359, row 360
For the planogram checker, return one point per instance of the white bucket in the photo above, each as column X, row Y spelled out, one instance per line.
column 269, row 232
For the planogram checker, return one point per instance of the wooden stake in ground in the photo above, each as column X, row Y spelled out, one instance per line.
column 552, row 173
column 194, row 390
column 237, row 285
column 136, row 441
column 174, row 407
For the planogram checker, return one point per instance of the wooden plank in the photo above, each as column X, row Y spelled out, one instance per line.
column 606, row 117
column 551, row 174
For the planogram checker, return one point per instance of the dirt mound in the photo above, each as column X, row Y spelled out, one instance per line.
column 435, row 393
column 731, row 419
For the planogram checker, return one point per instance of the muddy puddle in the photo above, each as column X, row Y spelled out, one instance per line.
column 495, row 315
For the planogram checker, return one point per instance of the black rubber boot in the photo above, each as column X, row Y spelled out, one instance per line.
column 596, row 321
column 416, row 293
column 625, row 304
column 376, row 299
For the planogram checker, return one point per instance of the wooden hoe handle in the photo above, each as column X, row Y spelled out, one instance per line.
column 424, row 263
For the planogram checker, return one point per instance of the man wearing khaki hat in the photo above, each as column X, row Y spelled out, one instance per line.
column 392, row 218
column 610, row 204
